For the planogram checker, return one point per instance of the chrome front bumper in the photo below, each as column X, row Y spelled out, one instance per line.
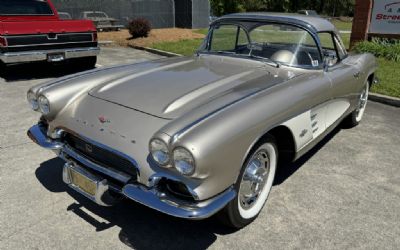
column 149, row 196
column 42, row 55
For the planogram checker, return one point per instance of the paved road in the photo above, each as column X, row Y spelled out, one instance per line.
column 344, row 194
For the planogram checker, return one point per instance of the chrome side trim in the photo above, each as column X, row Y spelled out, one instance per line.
column 41, row 55
column 160, row 202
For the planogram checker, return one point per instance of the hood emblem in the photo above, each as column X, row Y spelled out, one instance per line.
column 103, row 119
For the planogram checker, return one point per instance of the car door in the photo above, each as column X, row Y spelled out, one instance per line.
column 342, row 74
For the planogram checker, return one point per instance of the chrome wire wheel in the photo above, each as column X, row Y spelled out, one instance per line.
column 362, row 103
column 257, row 179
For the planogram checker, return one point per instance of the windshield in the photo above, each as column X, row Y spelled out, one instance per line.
column 25, row 7
column 278, row 43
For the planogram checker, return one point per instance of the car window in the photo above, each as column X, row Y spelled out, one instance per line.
column 286, row 44
column 328, row 47
column 25, row 7
column 275, row 43
column 227, row 37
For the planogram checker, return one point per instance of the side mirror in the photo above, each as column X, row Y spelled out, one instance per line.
column 329, row 61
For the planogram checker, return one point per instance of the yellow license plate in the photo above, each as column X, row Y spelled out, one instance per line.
column 83, row 183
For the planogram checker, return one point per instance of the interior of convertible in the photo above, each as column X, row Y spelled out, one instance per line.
column 281, row 43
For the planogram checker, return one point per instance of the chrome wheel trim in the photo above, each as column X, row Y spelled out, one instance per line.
column 362, row 103
column 256, row 182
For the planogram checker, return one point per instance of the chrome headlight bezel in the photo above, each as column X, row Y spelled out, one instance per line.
column 159, row 151
column 184, row 161
column 32, row 100
column 44, row 105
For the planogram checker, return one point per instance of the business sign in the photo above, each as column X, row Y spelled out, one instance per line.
column 385, row 17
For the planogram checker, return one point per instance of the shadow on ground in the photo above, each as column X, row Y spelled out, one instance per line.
column 32, row 71
column 144, row 228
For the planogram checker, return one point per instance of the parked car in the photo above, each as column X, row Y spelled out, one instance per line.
column 31, row 31
column 194, row 136
column 102, row 21
column 64, row 16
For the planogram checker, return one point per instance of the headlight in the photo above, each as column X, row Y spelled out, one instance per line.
column 184, row 161
column 159, row 151
column 32, row 100
column 44, row 105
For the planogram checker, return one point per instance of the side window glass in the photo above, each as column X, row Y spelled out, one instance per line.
column 228, row 37
column 328, row 48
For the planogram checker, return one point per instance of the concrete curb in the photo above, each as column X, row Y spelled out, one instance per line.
column 155, row 51
column 388, row 100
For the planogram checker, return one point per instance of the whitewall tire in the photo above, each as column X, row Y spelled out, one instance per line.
column 253, row 185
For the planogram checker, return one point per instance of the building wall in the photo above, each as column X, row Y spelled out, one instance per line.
column 201, row 12
column 161, row 13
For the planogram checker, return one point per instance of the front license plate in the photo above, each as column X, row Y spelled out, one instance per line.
column 83, row 183
column 57, row 57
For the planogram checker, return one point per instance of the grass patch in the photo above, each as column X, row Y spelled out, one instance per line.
column 342, row 25
column 389, row 78
column 183, row 47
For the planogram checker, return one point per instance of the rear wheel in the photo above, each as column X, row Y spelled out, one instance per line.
column 356, row 116
column 253, row 186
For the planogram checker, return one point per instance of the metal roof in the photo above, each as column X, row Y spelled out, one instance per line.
column 316, row 24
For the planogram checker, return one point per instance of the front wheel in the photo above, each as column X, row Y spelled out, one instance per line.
column 356, row 116
column 253, row 186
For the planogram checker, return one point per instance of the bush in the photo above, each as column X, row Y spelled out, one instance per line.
column 386, row 48
column 139, row 27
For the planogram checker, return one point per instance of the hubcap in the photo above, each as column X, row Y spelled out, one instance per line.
column 254, row 178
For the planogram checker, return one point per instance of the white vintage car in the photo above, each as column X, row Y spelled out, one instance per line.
column 200, row 135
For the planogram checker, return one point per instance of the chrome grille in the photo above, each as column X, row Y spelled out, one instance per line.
column 100, row 155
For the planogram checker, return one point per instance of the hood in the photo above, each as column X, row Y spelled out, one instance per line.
column 170, row 90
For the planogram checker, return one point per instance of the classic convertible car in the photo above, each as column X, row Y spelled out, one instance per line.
column 196, row 136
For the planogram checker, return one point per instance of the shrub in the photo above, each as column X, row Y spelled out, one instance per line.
column 386, row 48
column 139, row 27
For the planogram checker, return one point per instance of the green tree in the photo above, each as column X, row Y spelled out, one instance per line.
column 327, row 7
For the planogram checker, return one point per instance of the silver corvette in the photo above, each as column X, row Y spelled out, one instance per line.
column 195, row 136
